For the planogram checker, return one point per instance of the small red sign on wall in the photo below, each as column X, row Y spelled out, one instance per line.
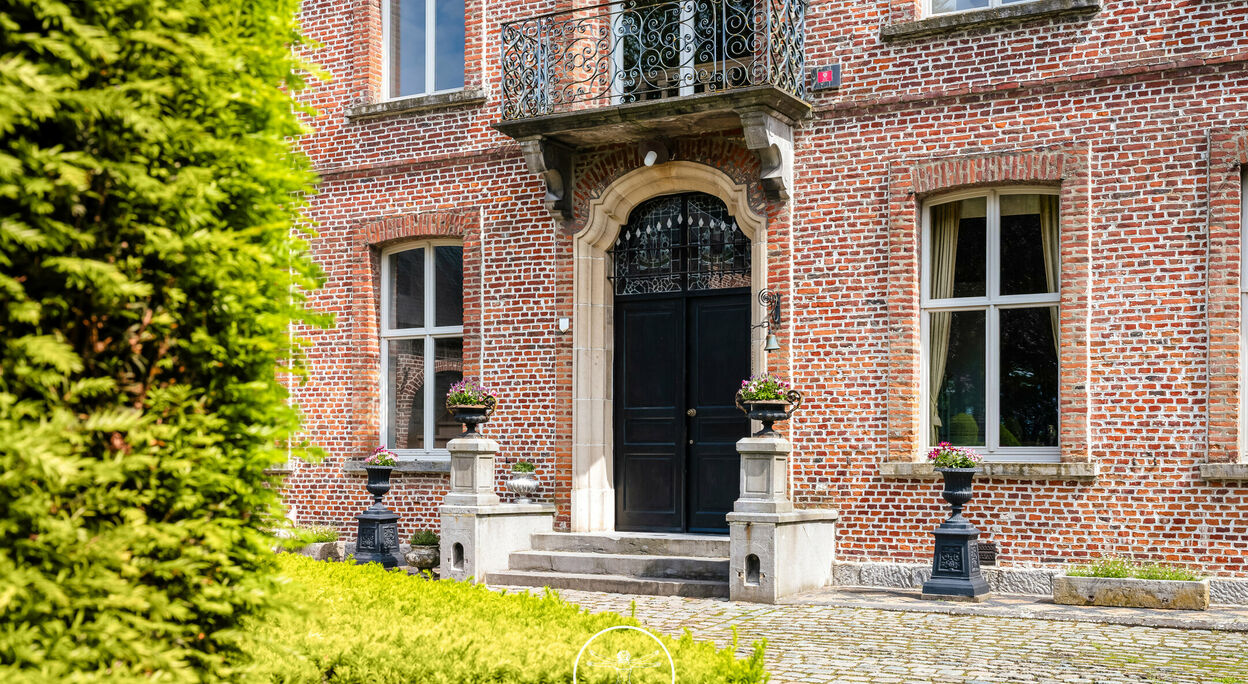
column 826, row 77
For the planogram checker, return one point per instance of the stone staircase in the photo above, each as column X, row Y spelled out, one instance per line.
column 622, row 563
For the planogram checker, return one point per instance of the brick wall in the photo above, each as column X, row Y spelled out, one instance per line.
column 1138, row 113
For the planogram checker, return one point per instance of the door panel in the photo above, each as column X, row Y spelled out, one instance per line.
column 718, row 358
column 649, row 425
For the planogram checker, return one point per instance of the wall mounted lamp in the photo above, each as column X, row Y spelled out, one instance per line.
column 771, row 302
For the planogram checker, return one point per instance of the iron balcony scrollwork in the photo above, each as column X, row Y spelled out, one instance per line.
column 638, row 50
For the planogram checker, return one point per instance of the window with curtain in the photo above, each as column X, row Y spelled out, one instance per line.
column 422, row 343
column 946, row 6
column 424, row 42
column 990, row 314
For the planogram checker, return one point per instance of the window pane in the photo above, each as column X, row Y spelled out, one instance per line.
column 448, row 369
column 958, row 231
column 957, row 339
column 407, row 47
column 1029, row 377
column 448, row 39
column 407, row 289
column 1029, row 244
column 449, row 287
column 941, row 6
column 405, row 383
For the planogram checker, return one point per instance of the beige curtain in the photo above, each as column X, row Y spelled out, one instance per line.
column 1050, row 237
column 945, row 218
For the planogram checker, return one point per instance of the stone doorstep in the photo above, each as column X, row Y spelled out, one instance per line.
column 1226, row 591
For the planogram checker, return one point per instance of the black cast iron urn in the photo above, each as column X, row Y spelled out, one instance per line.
column 377, row 540
column 955, row 563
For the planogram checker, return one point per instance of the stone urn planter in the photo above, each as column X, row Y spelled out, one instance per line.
column 1129, row 592
column 523, row 482
column 771, row 410
column 424, row 554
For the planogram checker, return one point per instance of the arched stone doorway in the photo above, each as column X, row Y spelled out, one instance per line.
column 593, row 452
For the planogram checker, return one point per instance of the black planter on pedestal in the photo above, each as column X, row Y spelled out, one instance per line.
column 955, row 563
column 378, row 537
column 770, row 411
column 472, row 415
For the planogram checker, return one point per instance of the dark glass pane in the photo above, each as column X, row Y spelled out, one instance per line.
column 449, row 286
column 646, row 256
column 1024, row 265
column 407, row 289
column 1028, row 377
column 959, row 415
column 718, row 254
column 448, row 42
column 448, row 369
column 942, row 6
column 407, row 47
column 405, row 404
column 958, row 234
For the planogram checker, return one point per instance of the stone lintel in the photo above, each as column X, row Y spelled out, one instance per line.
column 1224, row 471
column 1014, row 471
column 1005, row 15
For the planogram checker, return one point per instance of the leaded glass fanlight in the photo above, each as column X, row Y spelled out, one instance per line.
column 677, row 243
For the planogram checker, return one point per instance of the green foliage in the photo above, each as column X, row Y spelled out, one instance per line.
column 764, row 387
column 523, row 467
column 363, row 624
column 425, row 538
column 148, row 276
column 298, row 536
column 1124, row 567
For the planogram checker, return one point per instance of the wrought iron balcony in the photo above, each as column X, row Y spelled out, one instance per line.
column 641, row 50
column 647, row 70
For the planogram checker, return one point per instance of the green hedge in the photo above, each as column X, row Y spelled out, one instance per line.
column 149, row 272
column 363, row 624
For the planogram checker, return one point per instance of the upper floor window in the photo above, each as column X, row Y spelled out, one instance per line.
column 991, row 270
column 422, row 343
column 946, row 6
column 424, row 42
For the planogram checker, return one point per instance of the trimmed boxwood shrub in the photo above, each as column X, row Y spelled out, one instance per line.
column 149, row 271
column 364, row 624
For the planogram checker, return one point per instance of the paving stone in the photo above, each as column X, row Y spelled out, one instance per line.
column 811, row 642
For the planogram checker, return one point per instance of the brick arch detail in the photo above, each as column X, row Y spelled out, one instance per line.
column 1228, row 153
column 361, row 320
column 910, row 183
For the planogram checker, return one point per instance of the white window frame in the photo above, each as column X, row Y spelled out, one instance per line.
column 991, row 305
column 1243, row 308
column 387, row 67
column 992, row 4
column 429, row 333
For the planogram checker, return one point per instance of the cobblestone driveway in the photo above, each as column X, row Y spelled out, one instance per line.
column 821, row 643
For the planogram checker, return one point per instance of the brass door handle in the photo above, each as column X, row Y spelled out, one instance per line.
column 691, row 412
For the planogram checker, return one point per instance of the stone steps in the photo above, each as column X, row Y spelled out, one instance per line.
column 691, row 545
column 616, row 584
column 622, row 562
column 645, row 566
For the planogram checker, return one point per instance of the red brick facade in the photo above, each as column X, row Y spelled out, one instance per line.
column 1137, row 113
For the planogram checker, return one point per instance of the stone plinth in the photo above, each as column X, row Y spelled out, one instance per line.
column 774, row 549
column 1129, row 592
column 472, row 472
column 477, row 540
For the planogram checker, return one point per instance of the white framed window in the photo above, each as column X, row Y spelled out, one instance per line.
column 422, row 344
column 424, row 47
column 947, row 6
column 990, row 292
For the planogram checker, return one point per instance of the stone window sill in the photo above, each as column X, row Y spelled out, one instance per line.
column 1011, row 471
column 416, row 104
column 996, row 16
column 1224, row 471
column 422, row 466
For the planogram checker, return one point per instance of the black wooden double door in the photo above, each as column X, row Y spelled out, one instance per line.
column 679, row 361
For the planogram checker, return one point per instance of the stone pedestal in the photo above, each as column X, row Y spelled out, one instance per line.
column 775, row 550
column 477, row 540
column 472, row 471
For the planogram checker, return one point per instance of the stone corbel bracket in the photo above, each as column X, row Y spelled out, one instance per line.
column 770, row 136
column 554, row 163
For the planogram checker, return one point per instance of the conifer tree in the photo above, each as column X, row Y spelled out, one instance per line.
column 150, row 267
